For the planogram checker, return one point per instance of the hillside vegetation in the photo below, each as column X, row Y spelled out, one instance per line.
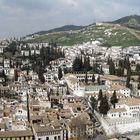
column 60, row 29
column 132, row 21
column 107, row 34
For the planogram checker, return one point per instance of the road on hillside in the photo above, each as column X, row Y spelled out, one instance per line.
column 133, row 32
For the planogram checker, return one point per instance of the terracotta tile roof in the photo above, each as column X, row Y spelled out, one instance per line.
column 44, row 128
column 8, row 134
column 111, row 77
column 117, row 110
column 129, row 102
column 119, row 87
column 133, row 102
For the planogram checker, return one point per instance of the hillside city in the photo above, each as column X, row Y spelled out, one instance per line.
column 86, row 91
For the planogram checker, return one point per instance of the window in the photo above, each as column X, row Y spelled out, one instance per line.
column 47, row 138
column 55, row 138
column 39, row 138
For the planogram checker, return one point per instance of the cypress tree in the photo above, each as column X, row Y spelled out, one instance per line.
column 138, row 68
column 98, row 80
column 100, row 95
column 77, row 64
column 128, row 77
column 86, row 64
column 60, row 73
column 139, row 78
column 114, row 99
column 41, row 77
column 108, row 61
column 93, row 78
column 28, row 109
column 93, row 103
column 112, row 68
column 86, row 79
column 16, row 75
column 101, row 71
column 104, row 106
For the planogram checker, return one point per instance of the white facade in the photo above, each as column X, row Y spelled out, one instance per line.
column 120, row 89
column 6, row 63
column 105, row 69
column 21, row 114
column 48, row 77
column 128, row 108
column 75, row 86
column 120, row 125
column 49, row 134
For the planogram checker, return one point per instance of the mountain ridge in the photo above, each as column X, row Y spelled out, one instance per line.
column 117, row 33
column 132, row 21
column 64, row 28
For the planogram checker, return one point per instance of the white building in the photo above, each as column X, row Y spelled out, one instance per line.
column 129, row 107
column 120, row 89
column 113, row 80
column 49, row 77
column 124, row 118
column 2, row 47
column 75, row 87
column 21, row 114
column 48, row 132
column 105, row 69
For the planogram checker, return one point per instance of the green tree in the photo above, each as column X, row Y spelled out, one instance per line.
column 112, row 68
column 60, row 73
column 101, row 71
column 67, row 91
column 16, row 74
column 114, row 99
column 93, row 103
column 126, row 63
column 138, row 68
column 104, row 106
column 86, row 78
column 139, row 78
column 77, row 64
column 28, row 109
column 100, row 95
column 109, row 60
column 138, row 86
column 128, row 77
column 95, row 67
column 41, row 77
column 98, row 80
column 93, row 78
column 120, row 71
column 86, row 64
column 65, row 70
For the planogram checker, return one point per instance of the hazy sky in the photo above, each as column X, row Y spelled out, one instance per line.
column 21, row 17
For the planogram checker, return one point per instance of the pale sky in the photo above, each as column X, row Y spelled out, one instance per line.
column 22, row 17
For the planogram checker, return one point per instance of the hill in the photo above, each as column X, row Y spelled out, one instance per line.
column 132, row 21
column 109, row 34
column 60, row 29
